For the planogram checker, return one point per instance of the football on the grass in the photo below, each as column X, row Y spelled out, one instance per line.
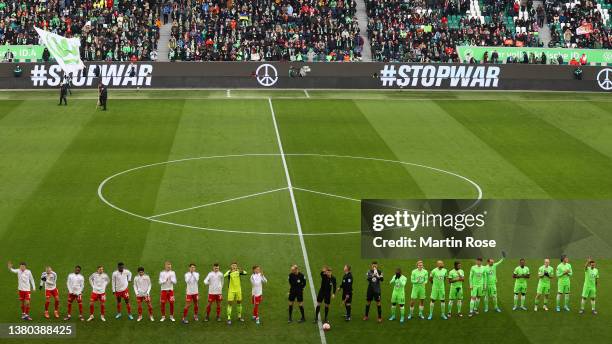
column 326, row 327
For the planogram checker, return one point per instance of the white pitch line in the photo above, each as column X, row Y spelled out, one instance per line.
column 326, row 194
column 215, row 203
column 297, row 219
column 306, row 93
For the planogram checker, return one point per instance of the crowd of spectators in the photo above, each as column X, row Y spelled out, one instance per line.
column 565, row 19
column 424, row 31
column 112, row 30
column 270, row 30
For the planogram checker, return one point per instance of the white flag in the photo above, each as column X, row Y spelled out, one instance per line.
column 64, row 50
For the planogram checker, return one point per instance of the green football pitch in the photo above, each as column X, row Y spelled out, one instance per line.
column 273, row 177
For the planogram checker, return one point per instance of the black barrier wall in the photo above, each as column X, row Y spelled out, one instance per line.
column 314, row 75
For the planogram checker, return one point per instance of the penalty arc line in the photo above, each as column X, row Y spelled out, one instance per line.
column 297, row 219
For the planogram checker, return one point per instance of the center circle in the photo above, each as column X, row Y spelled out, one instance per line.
column 101, row 186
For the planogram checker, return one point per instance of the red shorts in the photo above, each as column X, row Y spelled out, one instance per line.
column 125, row 294
column 167, row 296
column 72, row 297
column 24, row 295
column 215, row 297
column 256, row 299
column 52, row 293
column 143, row 299
column 192, row 298
column 97, row 297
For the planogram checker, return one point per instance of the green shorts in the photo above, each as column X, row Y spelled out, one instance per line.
column 520, row 288
column 398, row 298
column 455, row 293
column 418, row 292
column 589, row 293
column 492, row 290
column 477, row 291
column 563, row 288
column 543, row 289
column 438, row 294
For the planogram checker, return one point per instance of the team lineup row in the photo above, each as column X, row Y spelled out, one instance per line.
column 482, row 284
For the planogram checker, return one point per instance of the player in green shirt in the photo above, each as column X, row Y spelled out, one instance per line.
column 478, row 284
column 418, row 278
column 438, row 289
column 398, row 297
column 589, row 290
column 491, row 290
column 455, row 279
column 521, row 275
column 234, row 292
column 564, row 272
column 545, row 273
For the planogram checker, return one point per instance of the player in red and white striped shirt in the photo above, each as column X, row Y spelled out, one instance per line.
column 24, row 280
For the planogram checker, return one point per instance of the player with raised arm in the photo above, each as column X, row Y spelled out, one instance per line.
column 297, row 283
column 491, row 272
column 398, row 296
column 326, row 292
column 257, row 281
column 589, row 289
column 234, row 291
column 521, row 275
column 75, row 284
column 192, row 277
column 478, row 284
column 142, row 289
column 98, row 282
column 564, row 273
column 167, row 280
column 24, row 281
column 48, row 280
column 438, row 289
column 120, row 285
column 374, row 276
column 214, row 281
column 545, row 273
column 347, row 291
column 418, row 278
column 455, row 278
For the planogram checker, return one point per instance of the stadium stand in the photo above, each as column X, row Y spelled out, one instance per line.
column 420, row 31
column 270, row 30
column 112, row 30
column 580, row 24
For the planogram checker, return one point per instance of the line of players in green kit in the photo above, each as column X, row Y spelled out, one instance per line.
column 482, row 282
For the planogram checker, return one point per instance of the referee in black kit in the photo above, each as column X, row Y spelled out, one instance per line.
column 347, row 291
column 326, row 292
column 102, row 95
column 297, row 283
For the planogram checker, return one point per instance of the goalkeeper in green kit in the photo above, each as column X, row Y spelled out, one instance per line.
column 545, row 273
column 418, row 278
column 491, row 289
column 478, row 284
column 564, row 273
column 438, row 289
column 455, row 292
column 398, row 297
